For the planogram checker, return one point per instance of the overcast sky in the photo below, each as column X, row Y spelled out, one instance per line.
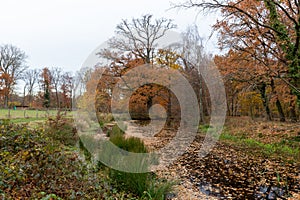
column 62, row 33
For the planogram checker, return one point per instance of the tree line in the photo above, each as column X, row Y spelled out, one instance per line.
column 260, row 66
column 137, row 43
column 259, row 78
column 41, row 88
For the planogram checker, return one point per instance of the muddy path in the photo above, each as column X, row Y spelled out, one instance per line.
column 227, row 172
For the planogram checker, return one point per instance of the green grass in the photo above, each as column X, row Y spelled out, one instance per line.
column 203, row 128
column 26, row 120
column 131, row 144
column 135, row 182
column 17, row 114
column 228, row 137
column 145, row 185
column 286, row 149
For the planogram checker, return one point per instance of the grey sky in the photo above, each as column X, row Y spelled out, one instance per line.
column 62, row 33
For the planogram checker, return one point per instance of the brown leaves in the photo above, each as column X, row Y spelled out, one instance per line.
column 237, row 171
column 232, row 173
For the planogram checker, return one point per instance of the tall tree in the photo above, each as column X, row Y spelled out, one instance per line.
column 139, row 37
column 12, row 65
column 268, row 30
column 56, row 75
column 67, row 84
column 196, row 61
column 30, row 78
column 45, row 83
column 247, row 72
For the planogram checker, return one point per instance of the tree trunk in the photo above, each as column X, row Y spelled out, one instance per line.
column 5, row 101
column 280, row 110
column 262, row 88
column 232, row 105
column 200, row 98
column 148, row 59
column 293, row 114
column 149, row 104
column 24, row 93
column 251, row 112
column 278, row 104
column 57, row 99
column 29, row 100
column 169, row 110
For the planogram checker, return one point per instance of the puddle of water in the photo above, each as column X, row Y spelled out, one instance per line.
column 264, row 192
column 270, row 192
column 209, row 190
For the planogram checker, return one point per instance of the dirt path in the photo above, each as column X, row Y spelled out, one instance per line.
column 226, row 173
column 183, row 188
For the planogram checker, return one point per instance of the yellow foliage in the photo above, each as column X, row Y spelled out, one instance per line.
column 250, row 103
column 167, row 58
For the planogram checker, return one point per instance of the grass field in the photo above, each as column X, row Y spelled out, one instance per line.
column 21, row 114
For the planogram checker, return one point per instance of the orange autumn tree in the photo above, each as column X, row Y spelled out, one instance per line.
column 67, row 84
column 151, row 94
column 6, row 80
column 136, row 45
column 141, row 99
column 267, row 30
column 87, row 98
column 243, row 74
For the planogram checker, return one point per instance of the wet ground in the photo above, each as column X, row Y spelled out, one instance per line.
column 227, row 172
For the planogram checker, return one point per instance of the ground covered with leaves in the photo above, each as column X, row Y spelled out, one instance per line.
column 37, row 165
column 257, row 161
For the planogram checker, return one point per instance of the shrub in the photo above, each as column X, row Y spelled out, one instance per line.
column 62, row 129
column 32, row 162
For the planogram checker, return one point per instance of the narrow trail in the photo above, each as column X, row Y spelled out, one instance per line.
column 225, row 173
column 183, row 188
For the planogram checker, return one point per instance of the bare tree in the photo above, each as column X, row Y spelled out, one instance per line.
column 12, row 66
column 30, row 78
column 56, row 74
column 80, row 81
column 138, row 36
column 196, row 61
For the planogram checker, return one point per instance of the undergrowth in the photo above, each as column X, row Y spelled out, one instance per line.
column 286, row 149
column 44, row 163
column 38, row 164
column 34, row 165
column 145, row 185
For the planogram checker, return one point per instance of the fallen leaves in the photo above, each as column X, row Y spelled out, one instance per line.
column 237, row 172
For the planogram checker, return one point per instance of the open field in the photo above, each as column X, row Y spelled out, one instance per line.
column 21, row 114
